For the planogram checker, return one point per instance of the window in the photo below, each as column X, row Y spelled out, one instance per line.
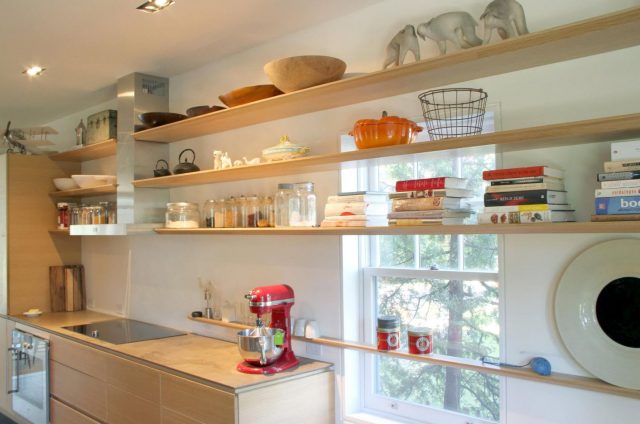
column 446, row 282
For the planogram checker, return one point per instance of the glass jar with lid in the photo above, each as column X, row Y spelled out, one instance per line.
column 302, row 206
column 219, row 212
column 182, row 215
column 209, row 213
column 230, row 213
column 265, row 205
column 251, row 212
column 281, row 205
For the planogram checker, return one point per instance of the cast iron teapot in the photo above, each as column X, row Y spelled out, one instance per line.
column 186, row 166
column 161, row 171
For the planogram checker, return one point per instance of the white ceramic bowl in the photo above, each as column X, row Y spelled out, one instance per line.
column 64, row 183
column 88, row 181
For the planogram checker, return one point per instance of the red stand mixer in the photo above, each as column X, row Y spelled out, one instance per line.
column 267, row 350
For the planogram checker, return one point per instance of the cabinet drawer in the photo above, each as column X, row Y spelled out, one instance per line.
column 84, row 392
column 196, row 401
column 135, row 378
column 126, row 408
column 77, row 356
column 62, row 414
column 170, row 417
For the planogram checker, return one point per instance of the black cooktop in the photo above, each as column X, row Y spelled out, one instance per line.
column 121, row 331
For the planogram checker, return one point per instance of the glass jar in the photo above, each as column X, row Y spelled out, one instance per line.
column 241, row 211
column 302, row 206
column 251, row 212
column 230, row 213
column 182, row 215
column 264, row 211
column 97, row 214
column 281, row 205
column 109, row 212
column 209, row 213
column 63, row 215
column 76, row 212
column 219, row 217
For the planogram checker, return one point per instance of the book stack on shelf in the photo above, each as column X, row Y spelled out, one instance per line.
column 618, row 198
column 428, row 201
column 356, row 209
column 525, row 195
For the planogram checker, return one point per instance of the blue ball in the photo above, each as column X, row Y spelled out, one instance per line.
column 541, row 366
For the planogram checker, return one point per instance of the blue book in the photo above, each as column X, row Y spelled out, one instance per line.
column 619, row 205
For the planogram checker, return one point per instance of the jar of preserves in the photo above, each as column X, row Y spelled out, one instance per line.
column 281, row 205
column 182, row 215
column 420, row 340
column 209, row 213
column 388, row 332
column 302, row 206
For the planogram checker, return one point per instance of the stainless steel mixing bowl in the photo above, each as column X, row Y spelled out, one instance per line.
column 257, row 346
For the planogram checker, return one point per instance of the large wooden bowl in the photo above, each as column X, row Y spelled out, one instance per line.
column 298, row 72
column 243, row 95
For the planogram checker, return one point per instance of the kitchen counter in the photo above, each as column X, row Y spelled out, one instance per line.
column 202, row 359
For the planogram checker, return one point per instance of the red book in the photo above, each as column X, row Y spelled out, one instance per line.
column 530, row 171
column 437, row 183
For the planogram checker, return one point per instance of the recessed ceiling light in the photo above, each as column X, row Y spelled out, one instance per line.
column 152, row 6
column 34, row 71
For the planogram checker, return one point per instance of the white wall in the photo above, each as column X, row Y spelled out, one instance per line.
column 162, row 283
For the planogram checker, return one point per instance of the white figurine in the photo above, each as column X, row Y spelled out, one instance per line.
column 217, row 159
column 457, row 27
column 238, row 162
column 225, row 161
column 506, row 16
column 403, row 42
column 254, row 161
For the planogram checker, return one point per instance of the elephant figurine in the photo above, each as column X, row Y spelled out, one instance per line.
column 403, row 42
column 457, row 27
column 506, row 16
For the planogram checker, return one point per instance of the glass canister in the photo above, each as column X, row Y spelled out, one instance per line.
column 241, row 212
column 182, row 215
column 265, row 205
column 388, row 332
column 219, row 217
column 230, row 213
column 251, row 211
column 64, row 215
column 76, row 212
column 109, row 211
column 302, row 206
column 209, row 213
column 281, row 205
column 97, row 214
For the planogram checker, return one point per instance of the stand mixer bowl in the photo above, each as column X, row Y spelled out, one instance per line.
column 257, row 346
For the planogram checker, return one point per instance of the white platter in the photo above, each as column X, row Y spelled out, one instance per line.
column 575, row 311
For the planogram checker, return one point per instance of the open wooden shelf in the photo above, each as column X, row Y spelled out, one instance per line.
column 85, row 192
column 98, row 150
column 585, row 38
column 560, row 379
column 59, row 231
column 540, row 228
column 579, row 132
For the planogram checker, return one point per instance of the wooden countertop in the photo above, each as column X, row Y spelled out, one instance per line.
column 206, row 360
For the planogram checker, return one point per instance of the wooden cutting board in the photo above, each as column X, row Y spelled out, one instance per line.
column 67, row 288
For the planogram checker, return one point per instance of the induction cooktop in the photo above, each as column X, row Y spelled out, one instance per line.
column 121, row 331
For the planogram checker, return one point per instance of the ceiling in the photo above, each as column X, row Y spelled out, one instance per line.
column 86, row 46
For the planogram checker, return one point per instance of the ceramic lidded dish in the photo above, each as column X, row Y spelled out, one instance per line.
column 284, row 150
column 386, row 131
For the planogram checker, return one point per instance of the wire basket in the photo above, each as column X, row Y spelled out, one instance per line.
column 453, row 112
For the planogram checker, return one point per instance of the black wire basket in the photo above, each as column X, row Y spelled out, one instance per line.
column 453, row 112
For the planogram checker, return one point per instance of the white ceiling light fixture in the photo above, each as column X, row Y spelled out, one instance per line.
column 34, row 71
column 153, row 6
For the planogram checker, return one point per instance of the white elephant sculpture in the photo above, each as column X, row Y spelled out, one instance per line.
column 457, row 27
column 404, row 41
column 506, row 17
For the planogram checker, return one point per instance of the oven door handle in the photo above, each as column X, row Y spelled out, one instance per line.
column 15, row 371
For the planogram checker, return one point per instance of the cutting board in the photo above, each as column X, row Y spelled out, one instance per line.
column 67, row 288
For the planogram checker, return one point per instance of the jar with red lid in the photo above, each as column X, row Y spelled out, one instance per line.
column 388, row 332
column 420, row 340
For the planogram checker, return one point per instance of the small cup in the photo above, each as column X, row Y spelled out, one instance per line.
column 311, row 330
column 299, row 327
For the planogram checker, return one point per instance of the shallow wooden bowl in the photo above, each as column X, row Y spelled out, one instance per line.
column 253, row 93
column 298, row 72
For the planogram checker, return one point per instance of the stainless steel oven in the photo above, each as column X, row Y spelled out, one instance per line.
column 28, row 376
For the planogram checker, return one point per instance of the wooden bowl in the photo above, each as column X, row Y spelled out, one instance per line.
column 201, row 110
column 253, row 93
column 156, row 119
column 298, row 72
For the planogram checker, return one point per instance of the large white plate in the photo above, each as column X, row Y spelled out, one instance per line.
column 575, row 311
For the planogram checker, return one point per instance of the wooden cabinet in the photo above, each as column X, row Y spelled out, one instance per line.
column 88, row 384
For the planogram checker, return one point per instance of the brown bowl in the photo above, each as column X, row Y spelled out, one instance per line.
column 298, row 72
column 156, row 119
column 253, row 93
column 201, row 110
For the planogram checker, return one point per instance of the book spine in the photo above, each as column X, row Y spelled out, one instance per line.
column 617, row 205
column 406, row 222
column 357, row 198
column 517, row 181
column 620, row 183
column 355, row 208
column 608, row 218
column 514, row 217
column 622, row 165
column 424, row 184
column 615, row 176
column 613, row 192
column 517, row 208
column 533, row 197
column 525, row 187
column 501, row 174
column 420, row 204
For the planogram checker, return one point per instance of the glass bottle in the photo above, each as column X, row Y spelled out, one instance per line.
column 209, row 213
column 302, row 206
column 281, row 205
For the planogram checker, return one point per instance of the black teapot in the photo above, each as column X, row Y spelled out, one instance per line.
column 186, row 166
column 161, row 171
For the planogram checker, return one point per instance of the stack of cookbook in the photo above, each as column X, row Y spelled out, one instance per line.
column 356, row 209
column 427, row 201
column 525, row 195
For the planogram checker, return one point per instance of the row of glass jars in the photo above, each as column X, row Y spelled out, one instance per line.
column 240, row 212
column 83, row 214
